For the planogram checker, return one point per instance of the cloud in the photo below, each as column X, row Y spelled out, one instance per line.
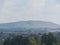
column 38, row 3
column 14, row 10
column 58, row 1
column 58, row 9
column 18, row 7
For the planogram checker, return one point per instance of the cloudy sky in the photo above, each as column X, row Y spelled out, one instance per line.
column 18, row 10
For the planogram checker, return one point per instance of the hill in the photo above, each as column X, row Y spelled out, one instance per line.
column 25, row 25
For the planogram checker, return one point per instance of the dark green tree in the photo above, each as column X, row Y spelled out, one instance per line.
column 18, row 40
column 7, row 41
column 43, row 39
column 48, row 39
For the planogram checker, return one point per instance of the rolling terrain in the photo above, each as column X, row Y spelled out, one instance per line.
column 29, row 25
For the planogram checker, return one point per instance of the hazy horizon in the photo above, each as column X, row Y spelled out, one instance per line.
column 22, row 10
column 29, row 21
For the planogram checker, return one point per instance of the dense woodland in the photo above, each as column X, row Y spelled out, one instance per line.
column 45, row 39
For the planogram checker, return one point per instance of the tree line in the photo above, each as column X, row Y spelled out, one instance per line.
column 46, row 39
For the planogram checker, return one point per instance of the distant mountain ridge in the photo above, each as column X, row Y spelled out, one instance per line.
column 35, row 24
column 29, row 25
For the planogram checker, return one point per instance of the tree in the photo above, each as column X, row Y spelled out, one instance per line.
column 32, row 41
column 7, row 41
column 18, row 40
column 43, row 39
column 48, row 39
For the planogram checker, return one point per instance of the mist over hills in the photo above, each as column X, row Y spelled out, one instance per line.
column 27, row 25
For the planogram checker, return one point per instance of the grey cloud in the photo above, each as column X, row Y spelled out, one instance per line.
column 13, row 10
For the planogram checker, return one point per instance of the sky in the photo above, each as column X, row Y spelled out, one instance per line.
column 21, row 10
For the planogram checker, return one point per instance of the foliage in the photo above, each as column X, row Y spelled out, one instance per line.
column 46, row 39
column 32, row 41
